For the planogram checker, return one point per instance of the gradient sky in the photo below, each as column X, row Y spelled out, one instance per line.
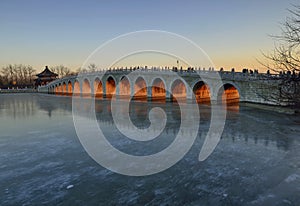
column 40, row 32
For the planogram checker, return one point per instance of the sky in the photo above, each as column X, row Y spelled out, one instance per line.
column 233, row 33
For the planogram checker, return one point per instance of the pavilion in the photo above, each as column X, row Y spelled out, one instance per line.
column 45, row 77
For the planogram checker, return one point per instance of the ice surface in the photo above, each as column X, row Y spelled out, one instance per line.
column 256, row 162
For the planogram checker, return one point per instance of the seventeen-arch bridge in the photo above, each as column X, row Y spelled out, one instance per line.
column 166, row 84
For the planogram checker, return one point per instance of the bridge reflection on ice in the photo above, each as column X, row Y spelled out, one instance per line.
column 24, row 106
column 36, row 128
column 139, row 112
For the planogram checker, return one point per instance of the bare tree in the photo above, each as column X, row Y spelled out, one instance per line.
column 8, row 73
column 6, row 76
column 285, row 59
column 30, row 72
column 16, row 70
column 17, row 74
column 24, row 72
column 92, row 67
column 61, row 70
column 1, row 81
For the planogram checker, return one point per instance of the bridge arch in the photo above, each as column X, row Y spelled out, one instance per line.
column 124, row 87
column 110, row 86
column 229, row 93
column 70, row 88
column 59, row 89
column 140, row 88
column 158, row 89
column 98, row 87
column 178, row 90
column 76, row 90
column 64, row 88
column 55, row 89
column 86, row 88
column 202, row 92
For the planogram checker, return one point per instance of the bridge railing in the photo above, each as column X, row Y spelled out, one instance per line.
column 186, row 72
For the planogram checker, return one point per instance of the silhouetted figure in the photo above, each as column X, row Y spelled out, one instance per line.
column 245, row 70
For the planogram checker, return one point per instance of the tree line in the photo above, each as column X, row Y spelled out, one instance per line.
column 17, row 74
column 20, row 75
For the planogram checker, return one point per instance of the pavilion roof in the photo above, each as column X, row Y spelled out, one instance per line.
column 46, row 73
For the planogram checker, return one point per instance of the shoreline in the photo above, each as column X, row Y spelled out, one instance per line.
column 273, row 108
column 14, row 91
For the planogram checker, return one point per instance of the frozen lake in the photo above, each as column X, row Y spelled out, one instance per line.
column 257, row 161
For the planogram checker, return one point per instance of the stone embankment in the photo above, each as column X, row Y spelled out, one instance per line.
column 9, row 91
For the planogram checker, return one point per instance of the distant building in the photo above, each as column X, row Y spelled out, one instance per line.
column 45, row 77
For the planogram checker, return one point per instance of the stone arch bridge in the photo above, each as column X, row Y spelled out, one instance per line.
column 202, row 86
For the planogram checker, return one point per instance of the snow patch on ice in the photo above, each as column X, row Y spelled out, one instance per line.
column 292, row 178
column 70, row 187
